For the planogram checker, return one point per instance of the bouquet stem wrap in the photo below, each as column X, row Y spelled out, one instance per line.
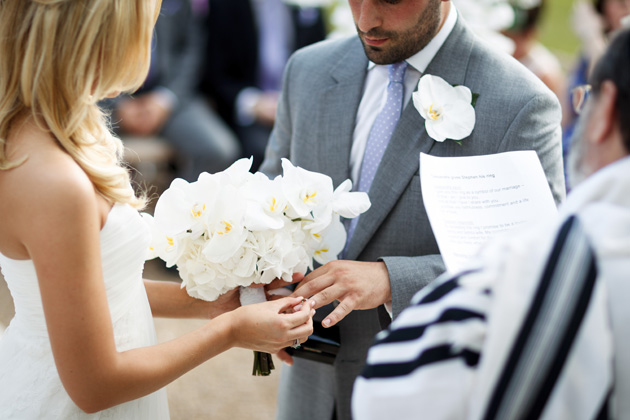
column 263, row 362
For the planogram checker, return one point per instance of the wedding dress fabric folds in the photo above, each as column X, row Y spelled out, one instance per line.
column 30, row 387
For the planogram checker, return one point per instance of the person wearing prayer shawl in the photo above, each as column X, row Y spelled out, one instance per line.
column 536, row 326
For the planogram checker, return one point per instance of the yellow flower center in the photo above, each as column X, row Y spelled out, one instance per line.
column 310, row 197
column 321, row 251
column 170, row 241
column 228, row 228
column 434, row 114
column 196, row 211
column 274, row 205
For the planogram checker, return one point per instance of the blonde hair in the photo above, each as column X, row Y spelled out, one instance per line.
column 58, row 58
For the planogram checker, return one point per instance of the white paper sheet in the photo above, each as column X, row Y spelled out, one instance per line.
column 471, row 199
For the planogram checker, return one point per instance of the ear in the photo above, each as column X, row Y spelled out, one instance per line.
column 605, row 114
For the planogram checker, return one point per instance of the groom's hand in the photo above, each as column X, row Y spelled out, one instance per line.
column 355, row 284
column 277, row 288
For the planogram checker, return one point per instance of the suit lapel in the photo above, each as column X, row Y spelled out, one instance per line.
column 337, row 113
column 401, row 159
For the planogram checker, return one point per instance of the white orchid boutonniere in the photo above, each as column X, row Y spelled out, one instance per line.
column 448, row 111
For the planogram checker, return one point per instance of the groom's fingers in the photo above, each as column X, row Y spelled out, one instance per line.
column 344, row 307
column 278, row 283
column 317, row 285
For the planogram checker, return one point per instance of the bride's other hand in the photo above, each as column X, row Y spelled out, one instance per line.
column 168, row 299
column 272, row 326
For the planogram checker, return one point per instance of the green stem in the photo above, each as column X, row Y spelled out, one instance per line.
column 263, row 364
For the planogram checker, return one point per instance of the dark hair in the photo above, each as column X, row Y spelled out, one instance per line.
column 599, row 6
column 526, row 19
column 615, row 67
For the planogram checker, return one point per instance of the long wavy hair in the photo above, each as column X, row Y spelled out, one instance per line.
column 58, row 58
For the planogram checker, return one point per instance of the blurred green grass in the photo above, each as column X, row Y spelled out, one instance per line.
column 556, row 32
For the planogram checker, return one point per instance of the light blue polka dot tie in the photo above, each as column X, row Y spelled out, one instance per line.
column 381, row 132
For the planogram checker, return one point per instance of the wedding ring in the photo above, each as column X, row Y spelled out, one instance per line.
column 296, row 343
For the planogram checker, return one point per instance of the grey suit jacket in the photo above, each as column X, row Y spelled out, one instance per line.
column 316, row 116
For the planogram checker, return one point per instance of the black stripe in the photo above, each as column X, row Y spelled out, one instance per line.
column 429, row 356
column 567, row 342
column 552, row 273
column 413, row 333
column 603, row 412
column 444, row 289
column 440, row 291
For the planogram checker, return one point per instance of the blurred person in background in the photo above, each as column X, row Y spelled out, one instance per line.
column 249, row 43
column 528, row 50
column 168, row 105
column 593, row 22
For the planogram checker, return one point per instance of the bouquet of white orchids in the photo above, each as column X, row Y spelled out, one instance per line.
column 236, row 228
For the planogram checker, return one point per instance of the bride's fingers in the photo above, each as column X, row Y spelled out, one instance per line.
column 300, row 333
column 302, row 317
column 285, row 357
column 289, row 305
column 286, row 303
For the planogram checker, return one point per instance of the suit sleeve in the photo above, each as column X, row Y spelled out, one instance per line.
column 537, row 127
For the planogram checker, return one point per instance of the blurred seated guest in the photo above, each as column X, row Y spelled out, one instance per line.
column 528, row 50
column 168, row 105
column 536, row 327
column 593, row 22
column 249, row 43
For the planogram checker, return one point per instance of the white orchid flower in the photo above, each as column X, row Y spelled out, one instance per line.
column 265, row 203
column 304, row 190
column 183, row 207
column 237, row 174
column 447, row 110
column 150, row 223
column 349, row 204
column 494, row 15
column 226, row 232
column 332, row 243
column 169, row 248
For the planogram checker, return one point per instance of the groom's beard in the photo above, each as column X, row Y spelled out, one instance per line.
column 406, row 43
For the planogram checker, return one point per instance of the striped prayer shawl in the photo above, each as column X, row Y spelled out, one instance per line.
column 426, row 364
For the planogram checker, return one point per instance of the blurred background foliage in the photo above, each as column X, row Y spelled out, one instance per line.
column 556, row 31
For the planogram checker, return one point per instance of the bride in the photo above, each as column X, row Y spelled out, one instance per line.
column 72, row 243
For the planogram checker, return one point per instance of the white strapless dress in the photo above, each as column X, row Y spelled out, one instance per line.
column 30, row 387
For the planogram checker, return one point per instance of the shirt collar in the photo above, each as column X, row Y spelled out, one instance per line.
column 420, row 60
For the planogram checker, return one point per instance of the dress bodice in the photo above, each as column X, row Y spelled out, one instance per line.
column 29, row 383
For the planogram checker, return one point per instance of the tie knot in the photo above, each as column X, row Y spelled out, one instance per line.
column 397, row 71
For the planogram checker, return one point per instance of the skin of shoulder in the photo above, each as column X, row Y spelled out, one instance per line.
column 45, row 194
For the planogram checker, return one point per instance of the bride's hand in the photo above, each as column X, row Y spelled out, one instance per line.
column 272, row 326
column 277, row 288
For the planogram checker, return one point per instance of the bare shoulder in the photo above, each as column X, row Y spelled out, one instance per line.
column 47, row 192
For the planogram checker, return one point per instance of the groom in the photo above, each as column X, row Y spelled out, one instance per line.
column 328, row 121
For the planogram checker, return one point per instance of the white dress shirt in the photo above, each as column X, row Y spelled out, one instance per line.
column 375, row 91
